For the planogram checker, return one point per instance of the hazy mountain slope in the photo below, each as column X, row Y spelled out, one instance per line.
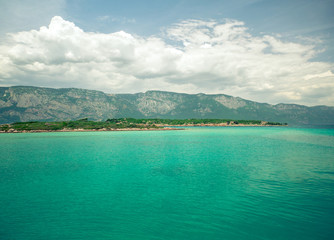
column 33, row 103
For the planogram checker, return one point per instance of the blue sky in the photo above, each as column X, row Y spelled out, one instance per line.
column 288, row 33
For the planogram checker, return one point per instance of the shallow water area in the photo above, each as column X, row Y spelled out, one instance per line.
column 200, row 183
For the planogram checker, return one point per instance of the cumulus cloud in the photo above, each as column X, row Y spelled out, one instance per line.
column 192, row 56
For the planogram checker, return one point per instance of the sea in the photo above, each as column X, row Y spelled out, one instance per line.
column 199, row 183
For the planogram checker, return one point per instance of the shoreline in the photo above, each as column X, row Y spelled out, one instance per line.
column 162, row 128
column 92, row 130
column 221, row 125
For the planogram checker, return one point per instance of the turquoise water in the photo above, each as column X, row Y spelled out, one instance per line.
column 201, row 183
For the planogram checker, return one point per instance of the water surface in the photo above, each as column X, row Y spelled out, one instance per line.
column 201, row 183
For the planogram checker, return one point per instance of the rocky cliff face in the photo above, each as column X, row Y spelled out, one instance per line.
column 30, row 103
column 47, row 104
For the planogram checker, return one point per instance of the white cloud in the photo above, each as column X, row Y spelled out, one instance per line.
column 124, row 20
column 204, row 56
column 103, row 18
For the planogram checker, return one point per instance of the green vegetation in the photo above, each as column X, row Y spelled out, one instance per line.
column 70, row 125
column 122, row 123
column 177, row 122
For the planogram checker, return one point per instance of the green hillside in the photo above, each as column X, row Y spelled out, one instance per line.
column 22, row 104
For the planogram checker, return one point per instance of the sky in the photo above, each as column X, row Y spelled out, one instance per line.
column 274, row 51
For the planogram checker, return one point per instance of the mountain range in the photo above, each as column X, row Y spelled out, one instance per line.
column 25, row 103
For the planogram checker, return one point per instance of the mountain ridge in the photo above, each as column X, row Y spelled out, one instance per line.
column 30, row 103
